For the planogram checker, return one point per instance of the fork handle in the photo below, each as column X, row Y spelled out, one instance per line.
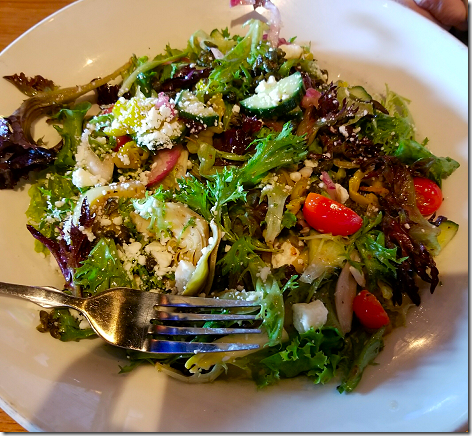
column 44, row 296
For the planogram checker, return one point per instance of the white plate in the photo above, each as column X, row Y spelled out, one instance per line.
column 421, row 382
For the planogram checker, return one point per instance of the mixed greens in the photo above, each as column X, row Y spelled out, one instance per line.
column 234, row 168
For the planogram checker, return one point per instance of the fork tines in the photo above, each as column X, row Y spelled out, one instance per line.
column 168, row 300
column 177, row 347
column 189, row 313
column 183, row 316
column 157, row 329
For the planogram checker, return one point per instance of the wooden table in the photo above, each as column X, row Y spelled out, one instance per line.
column 16, row 17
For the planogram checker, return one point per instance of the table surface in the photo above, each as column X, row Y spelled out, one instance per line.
column 15, row 18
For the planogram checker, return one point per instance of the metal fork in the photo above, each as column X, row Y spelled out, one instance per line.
column 124, row 317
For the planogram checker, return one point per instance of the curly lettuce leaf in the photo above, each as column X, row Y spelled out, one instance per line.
column 288, row 220
column 242, row 258
column 380, row 262
column 234, row 64
column 276, row 195
column 195, row 195
column 152, row 207
column 316, row 354
column 273, row 151
column 143, row 69
column 391, row 124
column 210, row 198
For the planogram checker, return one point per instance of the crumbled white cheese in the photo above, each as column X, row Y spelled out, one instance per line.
column 342, row 194
column 118, row 221
column 66, row 229
column 264, row 85
column 288, row 255
column 264, row 273
column 310, row 164
column 196, row 107
column 83, row 179
column 342, row 130
column 292, row 51
column 154, row 123
column 309, row 315
column 83, row 323
column 132, row 250
column 160, row 254
column 90, row 169
column 105, row 222
column 306, row 172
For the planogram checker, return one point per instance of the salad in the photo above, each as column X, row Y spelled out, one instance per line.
column 236, row 168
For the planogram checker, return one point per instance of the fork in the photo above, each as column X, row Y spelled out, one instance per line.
column 124, row 317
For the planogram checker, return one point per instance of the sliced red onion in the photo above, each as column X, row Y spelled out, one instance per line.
column 274, row 17
column 217, row 53
column 283, row 41
column 310, row 98
column 312, row 272
column 330, row 186
column 274, row 23
column 358, row 276
column 344, row 294
column 164, row 100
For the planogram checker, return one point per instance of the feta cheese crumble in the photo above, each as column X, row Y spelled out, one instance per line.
column 309, row 315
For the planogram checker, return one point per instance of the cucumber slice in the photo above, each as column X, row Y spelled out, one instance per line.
column 274, row 98
column 448, row 231
column 190, row 107
column 359, row 93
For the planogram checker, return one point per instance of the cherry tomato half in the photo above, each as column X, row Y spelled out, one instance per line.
column 329, row 216
column 428, row 195
column 369, row 311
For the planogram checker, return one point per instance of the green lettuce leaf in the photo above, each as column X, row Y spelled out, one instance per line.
column 52, row 199
column 273, row 151
column 276, row 195
column 361, row 350
column 437, row 168
column 62, row 325
column 102, row 269
column 71, row 131
column 241, row 258
column 316, row 354
column 392, row 128
column 380, row 262
column 233, row 65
